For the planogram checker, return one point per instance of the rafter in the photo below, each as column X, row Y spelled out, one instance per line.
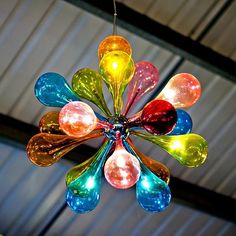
column 15, row 132
column 161, row 35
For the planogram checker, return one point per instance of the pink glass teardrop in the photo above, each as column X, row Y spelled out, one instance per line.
column 182, row 90
column 77, row 119
column 145, row 79
column 122, row 169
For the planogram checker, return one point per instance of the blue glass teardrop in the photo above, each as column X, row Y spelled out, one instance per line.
column 87, row 200
column 83, row 194
column 184, row 123
column 51, row 89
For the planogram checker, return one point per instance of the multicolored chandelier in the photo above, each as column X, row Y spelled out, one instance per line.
column 162, row 121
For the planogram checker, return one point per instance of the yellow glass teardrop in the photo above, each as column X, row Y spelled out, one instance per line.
column 117, row 69
column 188, row 149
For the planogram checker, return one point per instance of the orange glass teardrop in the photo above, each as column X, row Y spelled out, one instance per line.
column 113, row 43
column 45, row 149
column 49, row 123
column 159, row 169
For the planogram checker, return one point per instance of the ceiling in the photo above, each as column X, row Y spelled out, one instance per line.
column 53, row 35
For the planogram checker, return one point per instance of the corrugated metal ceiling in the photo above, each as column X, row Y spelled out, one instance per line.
column 30, row 197
column 190, row 18
column 48, row 35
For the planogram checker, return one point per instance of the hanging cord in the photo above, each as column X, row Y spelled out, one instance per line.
column 114, row 18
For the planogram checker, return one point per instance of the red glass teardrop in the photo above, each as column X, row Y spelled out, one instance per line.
column 159, row 117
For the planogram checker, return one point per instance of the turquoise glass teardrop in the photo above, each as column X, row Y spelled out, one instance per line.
column 152, row 193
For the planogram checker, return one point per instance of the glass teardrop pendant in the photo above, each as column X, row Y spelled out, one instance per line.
column 83, row 193
column 117, row 69
column 152, row 193
column 87, row 83
column 188, row 149
column 45, row 149
column 49, row 123
column 77, row 119
column 184, row 123
column 159, row 169
column 122, row 169
column 182, row 90
column 52, row 90
column 157, row 117
column 113, row 43
column 145, row 79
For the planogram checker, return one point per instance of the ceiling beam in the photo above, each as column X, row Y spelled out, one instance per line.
column 18, row 133
column 161, row 35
